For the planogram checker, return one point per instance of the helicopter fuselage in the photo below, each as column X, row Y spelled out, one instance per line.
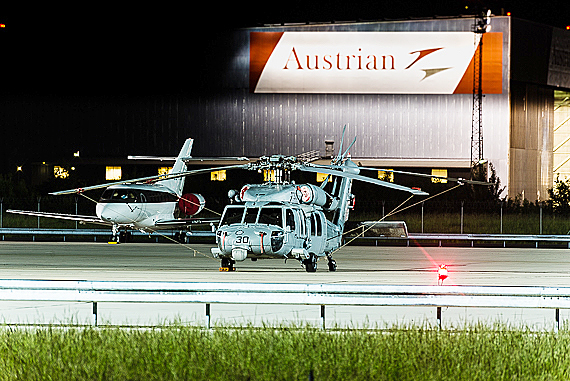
column 277, row 221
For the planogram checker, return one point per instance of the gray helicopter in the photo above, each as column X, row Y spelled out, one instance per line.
column 285, row 220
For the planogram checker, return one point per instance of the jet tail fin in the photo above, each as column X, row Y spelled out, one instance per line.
column 177, row 184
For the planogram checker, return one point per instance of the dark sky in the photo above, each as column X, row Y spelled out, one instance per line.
column 99, row 45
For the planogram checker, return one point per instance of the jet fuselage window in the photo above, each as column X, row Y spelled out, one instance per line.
column 153, row 196
column 271, row 216
column 232, row 215
column 134, row 195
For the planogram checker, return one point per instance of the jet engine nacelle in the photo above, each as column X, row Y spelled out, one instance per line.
column 191, row 203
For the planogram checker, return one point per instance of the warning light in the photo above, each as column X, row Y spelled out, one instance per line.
column 2, row 25
column 508, row 13
column 567, row 27
column 441, row 274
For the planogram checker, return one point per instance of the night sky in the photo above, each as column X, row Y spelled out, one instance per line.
column 103, row 48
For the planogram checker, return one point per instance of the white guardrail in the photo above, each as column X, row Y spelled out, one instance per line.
column 562, row 241
column 103, row 234
column 287, row 293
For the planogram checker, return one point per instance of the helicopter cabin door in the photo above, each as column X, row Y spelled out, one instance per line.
column 295, row 229
column 318, row 234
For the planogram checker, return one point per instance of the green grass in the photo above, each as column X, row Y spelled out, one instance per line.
column 185, row 353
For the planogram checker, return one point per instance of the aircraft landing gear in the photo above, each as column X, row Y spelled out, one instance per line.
column 119, row 236
column 180, row 237
column 311, row 263
column 227, row 264
column 124, row 236
column 332, row 263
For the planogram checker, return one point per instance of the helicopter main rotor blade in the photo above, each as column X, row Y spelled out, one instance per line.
column 156, row 178
column 353, row 176
column 456, row 179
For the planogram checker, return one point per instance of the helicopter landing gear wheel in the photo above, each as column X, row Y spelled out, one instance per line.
column 332, row 263
column 227, row 264
column 311, row 263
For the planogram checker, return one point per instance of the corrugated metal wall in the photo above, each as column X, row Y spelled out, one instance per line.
column 236, row 122
column 532, row 115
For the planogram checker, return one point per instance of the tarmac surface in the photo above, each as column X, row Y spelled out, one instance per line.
column 168, row 262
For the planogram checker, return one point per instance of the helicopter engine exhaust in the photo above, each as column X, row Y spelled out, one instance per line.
column 191, row 203
column 311, row 194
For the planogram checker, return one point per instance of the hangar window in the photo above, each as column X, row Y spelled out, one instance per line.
column 164, row 170
column 269, row 175
column 441, row 173
column 113, row 173
column 386, row 175
column 218, row 175
column 60, row 172
column 322, row 177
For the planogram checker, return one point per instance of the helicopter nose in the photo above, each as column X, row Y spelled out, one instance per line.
column 253, row 240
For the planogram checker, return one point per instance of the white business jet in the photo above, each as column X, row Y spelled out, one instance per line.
column 147, row 204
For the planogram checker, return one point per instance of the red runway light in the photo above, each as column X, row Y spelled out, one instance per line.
column 441, row 274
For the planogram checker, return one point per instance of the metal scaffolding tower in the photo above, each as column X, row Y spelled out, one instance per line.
column 480, row 27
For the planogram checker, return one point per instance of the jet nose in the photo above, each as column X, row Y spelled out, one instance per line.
column 100, row 212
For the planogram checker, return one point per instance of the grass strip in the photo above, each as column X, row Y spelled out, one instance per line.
column 186, row 353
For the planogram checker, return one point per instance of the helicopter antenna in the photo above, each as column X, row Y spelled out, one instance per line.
column 338, row 157
column 348, row 149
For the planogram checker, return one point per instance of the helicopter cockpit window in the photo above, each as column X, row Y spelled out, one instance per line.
column 119, row 195
column 290, row 219
column 271, row 216
column 250, row 215
column 232, row 215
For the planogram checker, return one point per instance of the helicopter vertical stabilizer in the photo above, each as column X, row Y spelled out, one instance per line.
column 177, row 184
column 343, row 189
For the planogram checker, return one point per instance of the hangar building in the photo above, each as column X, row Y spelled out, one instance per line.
column 403, row 88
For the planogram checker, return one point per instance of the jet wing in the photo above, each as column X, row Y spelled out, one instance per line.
column 61, row 216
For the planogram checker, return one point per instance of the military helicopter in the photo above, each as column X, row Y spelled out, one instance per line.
column 147, row 204
column 282, row 219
